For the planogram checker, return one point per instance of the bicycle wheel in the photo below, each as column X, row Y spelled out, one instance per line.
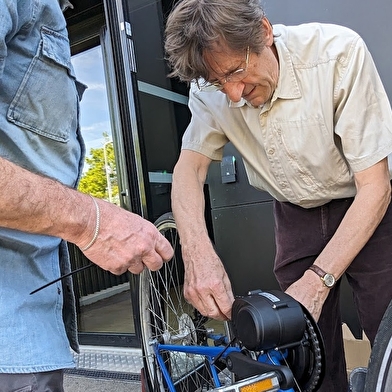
column 379, row 374
column 167, row 318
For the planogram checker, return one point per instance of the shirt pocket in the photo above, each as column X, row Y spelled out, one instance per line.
column 47, row 99
column 312, row 154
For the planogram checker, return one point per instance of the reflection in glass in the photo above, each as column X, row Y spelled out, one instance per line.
column 104, row 300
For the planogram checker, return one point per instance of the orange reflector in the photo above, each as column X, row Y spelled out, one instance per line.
column 258, row 386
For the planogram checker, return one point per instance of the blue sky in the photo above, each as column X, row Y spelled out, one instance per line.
column 94, row 105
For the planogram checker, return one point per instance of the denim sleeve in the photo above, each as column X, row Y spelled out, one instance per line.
column 14, row 16
column 8, row 8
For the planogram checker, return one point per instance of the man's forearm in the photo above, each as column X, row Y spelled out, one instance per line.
column 38, row 204
column 360, row 221
column 206, row 284
column 111, row 237
column 188, row 204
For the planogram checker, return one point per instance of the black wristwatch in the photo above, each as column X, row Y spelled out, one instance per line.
column 328, row 279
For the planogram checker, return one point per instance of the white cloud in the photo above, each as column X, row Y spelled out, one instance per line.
column 97, row 87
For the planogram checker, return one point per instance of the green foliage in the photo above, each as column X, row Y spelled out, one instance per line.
column 100, row 178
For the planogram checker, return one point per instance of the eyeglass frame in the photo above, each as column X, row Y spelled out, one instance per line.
column 217, row 86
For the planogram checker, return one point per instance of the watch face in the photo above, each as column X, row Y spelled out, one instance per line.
column 329, row 280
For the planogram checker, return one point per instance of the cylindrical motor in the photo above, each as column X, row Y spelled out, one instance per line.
column 265, row 320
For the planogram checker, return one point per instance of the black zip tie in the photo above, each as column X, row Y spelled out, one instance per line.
column 62, row 277
column 218, row 357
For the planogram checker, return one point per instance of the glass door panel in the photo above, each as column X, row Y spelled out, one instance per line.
column 103, row 300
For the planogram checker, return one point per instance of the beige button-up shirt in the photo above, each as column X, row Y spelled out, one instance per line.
column 328, row 118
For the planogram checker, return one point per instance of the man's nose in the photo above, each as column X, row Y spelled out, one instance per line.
column 234, row 90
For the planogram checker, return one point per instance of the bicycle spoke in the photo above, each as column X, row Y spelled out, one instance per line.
column 168, row 319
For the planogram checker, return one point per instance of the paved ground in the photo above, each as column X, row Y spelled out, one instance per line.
column 76, row 383
column 105, row 369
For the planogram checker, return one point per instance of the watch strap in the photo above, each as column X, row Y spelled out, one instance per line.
column 319, row 271
column 327, row 278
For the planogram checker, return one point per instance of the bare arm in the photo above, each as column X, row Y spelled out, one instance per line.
column 40, row 205
column 361, row 220
column 207, row 285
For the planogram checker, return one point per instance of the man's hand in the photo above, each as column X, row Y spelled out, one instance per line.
column 311, row 292
column 125, row 241
column 207, row 286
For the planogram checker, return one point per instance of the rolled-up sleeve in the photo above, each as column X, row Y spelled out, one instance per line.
column 204, row 134
column 363, row 110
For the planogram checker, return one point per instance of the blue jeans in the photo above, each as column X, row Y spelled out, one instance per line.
column 32, row 382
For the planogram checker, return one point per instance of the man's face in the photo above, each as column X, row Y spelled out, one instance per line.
column 257, row 83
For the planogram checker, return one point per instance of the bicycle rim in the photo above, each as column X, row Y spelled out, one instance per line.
column 379, row 374
column 168, row 319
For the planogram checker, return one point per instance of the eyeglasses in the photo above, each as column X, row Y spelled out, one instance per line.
column 233, row 77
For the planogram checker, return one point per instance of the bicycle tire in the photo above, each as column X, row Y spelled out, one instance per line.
column 166, row 317
column 379, row 373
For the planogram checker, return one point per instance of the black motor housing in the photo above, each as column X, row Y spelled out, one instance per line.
column 265, row 320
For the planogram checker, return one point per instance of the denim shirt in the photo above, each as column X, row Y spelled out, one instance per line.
column 39, row 130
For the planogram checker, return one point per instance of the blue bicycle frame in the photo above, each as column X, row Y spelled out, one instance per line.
column 210, row 353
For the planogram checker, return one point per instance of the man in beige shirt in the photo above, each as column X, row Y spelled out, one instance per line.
column 307, row 111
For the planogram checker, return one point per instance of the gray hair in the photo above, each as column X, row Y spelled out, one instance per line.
column 194, row 26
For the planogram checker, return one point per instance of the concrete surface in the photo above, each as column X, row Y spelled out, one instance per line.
column 76, row 383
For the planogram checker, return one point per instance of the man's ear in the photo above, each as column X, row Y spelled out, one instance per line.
column 268, row 31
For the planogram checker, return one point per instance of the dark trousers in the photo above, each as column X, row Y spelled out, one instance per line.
column 32, row 382
column 301, row 234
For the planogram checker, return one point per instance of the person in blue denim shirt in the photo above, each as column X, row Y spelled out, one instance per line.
column 41, row 157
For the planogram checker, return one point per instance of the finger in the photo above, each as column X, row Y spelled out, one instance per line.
column 211, row 308
column 224, row 300
column 197, row 302
column 226, row 311
column 153, row 261
column 115, row 269
column 136, row 269
column 163, row 248
column 223, row 312
column 216, row 315
column 225, row 303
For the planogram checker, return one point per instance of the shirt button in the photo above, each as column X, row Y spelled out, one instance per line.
column 271, row 151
